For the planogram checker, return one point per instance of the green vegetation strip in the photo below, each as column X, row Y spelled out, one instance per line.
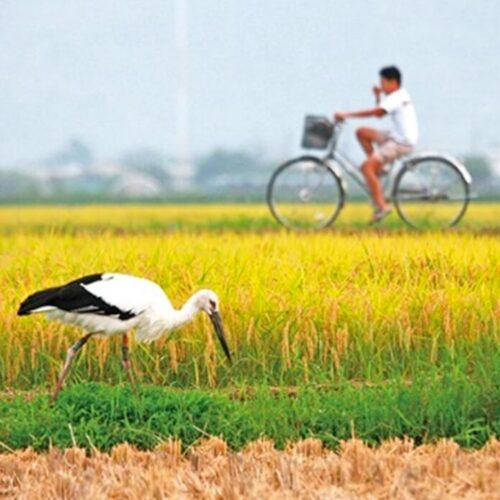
column 101, row 416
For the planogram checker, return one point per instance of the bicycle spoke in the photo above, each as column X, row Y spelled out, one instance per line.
column 432, row 193
column 305, row 194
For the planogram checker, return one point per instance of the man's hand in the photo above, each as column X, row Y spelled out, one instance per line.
column 376, row 92
column 340, row 116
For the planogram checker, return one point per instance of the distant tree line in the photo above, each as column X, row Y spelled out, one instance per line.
column 72, row 174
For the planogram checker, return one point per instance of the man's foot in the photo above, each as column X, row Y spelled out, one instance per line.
column 380, row 214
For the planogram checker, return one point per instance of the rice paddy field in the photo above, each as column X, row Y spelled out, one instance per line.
column 348, row 334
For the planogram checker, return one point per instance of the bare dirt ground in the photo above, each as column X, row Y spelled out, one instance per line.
column 396, row 469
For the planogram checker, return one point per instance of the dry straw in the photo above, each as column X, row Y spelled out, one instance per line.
column 396, row 469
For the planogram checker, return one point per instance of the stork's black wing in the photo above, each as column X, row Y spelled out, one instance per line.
column 73, row 297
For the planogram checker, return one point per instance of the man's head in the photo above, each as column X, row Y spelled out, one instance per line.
column 390, row 79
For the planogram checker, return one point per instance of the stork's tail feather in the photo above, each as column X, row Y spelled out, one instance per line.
column 36, row 301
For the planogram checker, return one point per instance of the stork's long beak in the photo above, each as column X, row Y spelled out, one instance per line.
column 219, row 330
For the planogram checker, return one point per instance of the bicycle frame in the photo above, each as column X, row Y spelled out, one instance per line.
column 348, row 166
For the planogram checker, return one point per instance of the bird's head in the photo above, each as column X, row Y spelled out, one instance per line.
column 208, row 301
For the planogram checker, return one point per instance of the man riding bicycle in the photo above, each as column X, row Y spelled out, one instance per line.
column 382, row 147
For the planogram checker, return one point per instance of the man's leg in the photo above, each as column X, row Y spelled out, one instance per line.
column 373, row 166
column 372, row 169
column 366, row 137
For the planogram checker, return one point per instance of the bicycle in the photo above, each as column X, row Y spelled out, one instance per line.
column 428, row 189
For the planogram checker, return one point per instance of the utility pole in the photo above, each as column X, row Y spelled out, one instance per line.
column 184, row 169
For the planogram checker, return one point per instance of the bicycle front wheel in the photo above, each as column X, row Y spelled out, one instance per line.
column 431, row 193
column 305, row 193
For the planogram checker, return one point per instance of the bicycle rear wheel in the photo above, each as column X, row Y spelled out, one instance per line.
column 305, row 193
column 431, row 193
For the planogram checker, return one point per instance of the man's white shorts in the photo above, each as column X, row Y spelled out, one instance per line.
column 388, row 149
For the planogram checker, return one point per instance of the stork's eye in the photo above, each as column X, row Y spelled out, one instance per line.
column 212, row 303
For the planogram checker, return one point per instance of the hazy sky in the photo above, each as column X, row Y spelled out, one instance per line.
column 104, row 71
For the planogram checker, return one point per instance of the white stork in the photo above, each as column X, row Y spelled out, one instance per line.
column 112, row 303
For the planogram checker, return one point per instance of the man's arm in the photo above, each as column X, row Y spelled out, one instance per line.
column 367, row 113
column 376, row 112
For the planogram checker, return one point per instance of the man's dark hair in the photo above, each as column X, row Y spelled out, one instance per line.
column 391, row 73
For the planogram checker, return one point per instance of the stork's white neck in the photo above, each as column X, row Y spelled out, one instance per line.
column 185, row 314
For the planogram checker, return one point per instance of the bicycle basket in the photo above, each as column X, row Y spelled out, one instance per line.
column 317, row 132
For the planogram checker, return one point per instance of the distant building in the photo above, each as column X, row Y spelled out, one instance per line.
column 494, row 158
column 106, row 169
column 65, row 171
column 135, row 185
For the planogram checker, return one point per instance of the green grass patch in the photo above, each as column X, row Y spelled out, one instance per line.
column 99, row 415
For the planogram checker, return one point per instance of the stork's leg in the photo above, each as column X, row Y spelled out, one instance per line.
column 72, row 352
column 125, row 353
column 126, row 359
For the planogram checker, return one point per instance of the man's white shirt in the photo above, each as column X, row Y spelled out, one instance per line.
column 398, row 105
